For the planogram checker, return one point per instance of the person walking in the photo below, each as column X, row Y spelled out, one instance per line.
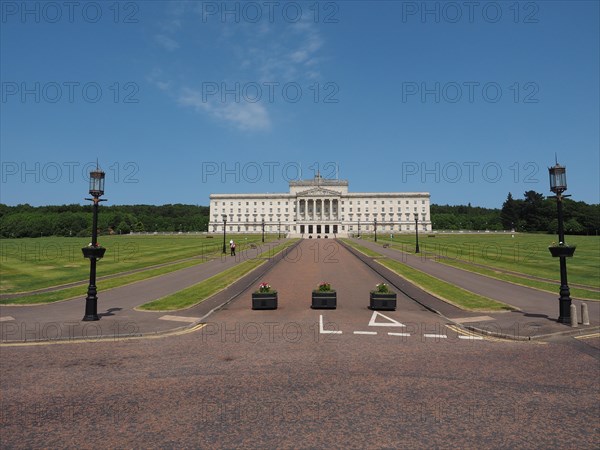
column 232, row 247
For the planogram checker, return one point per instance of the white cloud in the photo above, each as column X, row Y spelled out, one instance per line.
column 242, row 114
column 166, row 42
column 156, row 78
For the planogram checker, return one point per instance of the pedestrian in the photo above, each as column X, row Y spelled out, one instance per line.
column 232, row 247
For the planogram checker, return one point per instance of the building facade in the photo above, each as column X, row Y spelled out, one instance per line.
column 319, row 208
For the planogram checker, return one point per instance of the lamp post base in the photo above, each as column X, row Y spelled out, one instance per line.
column 90, row 318
column 564, row 305
column 91, row 305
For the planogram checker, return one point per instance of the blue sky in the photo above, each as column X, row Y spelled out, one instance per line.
column 177, row 100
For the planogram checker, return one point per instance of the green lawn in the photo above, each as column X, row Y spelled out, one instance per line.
column 525, row 253
column 34, row 263
column 201, row 291
column 445, row 291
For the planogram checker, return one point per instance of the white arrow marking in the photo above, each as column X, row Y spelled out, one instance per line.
column 322, row 331
column 391, row 323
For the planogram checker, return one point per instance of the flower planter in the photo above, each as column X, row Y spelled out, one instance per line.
column 93, row 252
column 564, row 251
column 266, row 300
column 324, row 300
column 383, row 302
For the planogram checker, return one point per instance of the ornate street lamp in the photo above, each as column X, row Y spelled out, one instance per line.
column 224, row 233
column 93, row 251
column 375, row 228
column 558, row 184
column 279, row 229
column 263, row 230
column 417, row 233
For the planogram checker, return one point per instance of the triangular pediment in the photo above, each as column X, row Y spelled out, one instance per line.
column 318, row 192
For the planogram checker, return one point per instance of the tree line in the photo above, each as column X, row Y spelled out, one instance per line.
column 76, row 220
column 537, row 213
column 533, row 213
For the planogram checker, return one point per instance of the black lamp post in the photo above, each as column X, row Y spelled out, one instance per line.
column 279, row 229
column 263, row 230
column 358, row 227
column 558, row 184
column 224, row 233
column 375, row 228
column 417, row 233
column 94, row 252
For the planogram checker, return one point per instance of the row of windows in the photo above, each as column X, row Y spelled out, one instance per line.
column 353, row 228
column 391, row 210
column 383, row 209
column 351, row 218
column 366, row 202
column 248, row 203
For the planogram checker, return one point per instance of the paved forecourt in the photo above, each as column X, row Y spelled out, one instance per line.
column 294, row 278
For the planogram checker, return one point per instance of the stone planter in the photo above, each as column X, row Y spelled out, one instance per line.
column 93, row 252
column 324, row 300
column 562, row 251
column 383, row 302
column 264, row 300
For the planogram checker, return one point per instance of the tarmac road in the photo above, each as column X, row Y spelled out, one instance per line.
column 277, row 379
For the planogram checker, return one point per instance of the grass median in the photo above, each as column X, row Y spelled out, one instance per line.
column 199, row 292
column 102, row 285
column 443, row 290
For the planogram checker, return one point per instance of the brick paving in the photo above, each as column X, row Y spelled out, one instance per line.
column 273, row 379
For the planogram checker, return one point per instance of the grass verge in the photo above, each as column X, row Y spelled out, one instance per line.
column 447, row 292
column 579, row 293
column 199, row 292
column 103, row 285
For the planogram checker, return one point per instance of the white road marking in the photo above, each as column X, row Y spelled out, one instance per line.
column 180, row 318
column 400, row 334
column 391, row 323
column 366, row 332
column 322, row 331
column 437, row 336
column 6, row 318
column 471, row 338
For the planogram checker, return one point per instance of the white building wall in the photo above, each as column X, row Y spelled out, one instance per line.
column 326, row 206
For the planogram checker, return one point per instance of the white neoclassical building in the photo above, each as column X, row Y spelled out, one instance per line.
column 320, row 208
